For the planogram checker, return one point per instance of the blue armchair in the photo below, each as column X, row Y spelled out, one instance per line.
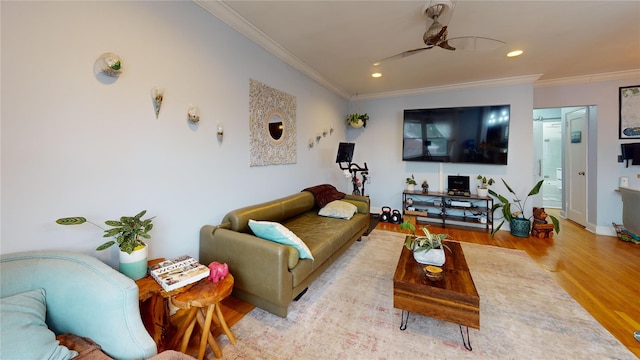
column 83, row 296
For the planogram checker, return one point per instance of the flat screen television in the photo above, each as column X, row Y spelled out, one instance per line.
column 473, row 134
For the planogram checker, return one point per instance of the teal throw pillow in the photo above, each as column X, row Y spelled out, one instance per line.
column 339, row 209
column 23, row 330
column 277, row 232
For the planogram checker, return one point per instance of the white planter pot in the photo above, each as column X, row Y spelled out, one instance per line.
column 431, row 257
column 483, row 192
column 356, row 125
column 134, row 265
column 411, row 187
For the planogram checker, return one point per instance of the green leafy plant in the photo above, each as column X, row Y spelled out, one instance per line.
column 427, row 242
column 353, row 119
column 515, row 208
column 484, row 183
column 127, row 232
column 411, row 180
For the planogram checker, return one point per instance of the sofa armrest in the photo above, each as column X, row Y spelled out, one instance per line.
column 259, row 267
column 362, row 202
column 84, row 296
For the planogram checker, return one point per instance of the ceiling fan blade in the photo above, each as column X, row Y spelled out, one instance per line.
column 403, row 54
column 445, row 45
column 475, row 43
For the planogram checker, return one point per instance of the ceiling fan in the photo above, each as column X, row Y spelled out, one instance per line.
column 436, row 33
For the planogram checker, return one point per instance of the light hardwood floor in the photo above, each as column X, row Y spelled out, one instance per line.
column 601, row 273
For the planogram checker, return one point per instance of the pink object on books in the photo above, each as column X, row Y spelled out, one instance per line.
column 217, row 271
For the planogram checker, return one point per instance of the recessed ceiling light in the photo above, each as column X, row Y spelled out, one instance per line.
column 515, row 53
column 376, row 74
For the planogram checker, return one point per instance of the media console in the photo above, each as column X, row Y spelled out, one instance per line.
column 472, row 210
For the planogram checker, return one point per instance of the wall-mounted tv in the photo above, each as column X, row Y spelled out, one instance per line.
column 473, row 134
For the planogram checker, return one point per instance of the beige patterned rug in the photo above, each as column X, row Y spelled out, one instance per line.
column 348, row 314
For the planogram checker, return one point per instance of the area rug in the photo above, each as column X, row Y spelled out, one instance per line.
column 348, row 313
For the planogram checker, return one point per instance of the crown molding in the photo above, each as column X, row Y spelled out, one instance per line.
column 237, row 22
column 585, row 79
column 516, row 80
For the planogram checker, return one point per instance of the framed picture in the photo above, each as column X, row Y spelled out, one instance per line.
column 629, row 126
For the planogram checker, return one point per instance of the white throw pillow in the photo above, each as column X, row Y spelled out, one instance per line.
column 277, row 232
column 339, row 209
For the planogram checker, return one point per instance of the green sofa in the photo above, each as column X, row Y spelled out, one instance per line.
column 270, row 275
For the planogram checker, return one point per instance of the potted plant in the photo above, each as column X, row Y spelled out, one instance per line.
column 128, row 233
column 356, row 120
column 411, row 183
column 483, row 188
column 427, row 249
column 513, row 211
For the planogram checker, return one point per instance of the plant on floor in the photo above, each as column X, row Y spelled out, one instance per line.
column 128, row 232
column 514, row 209
column 427, row 242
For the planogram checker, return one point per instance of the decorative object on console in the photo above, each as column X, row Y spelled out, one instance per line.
column 425, row 187
column 411, row 183
column 427, row 249
column 109, row 64
column 176, row 273
column 520, row 225
column 193, row 114
column 128, row 233
column 157, row 95
column 483, row 188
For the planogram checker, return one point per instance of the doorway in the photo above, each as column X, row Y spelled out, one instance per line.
column 561, row 150
column 549, row 155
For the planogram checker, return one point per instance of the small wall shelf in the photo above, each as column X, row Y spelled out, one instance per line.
column 442, row 208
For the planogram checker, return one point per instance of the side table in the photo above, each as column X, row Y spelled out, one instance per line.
column 204, row 295
column 154, row 307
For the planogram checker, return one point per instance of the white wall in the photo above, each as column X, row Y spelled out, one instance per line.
column 607, row 207
column 74, row 144
column 380, row 144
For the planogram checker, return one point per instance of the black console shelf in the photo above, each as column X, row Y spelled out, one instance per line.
column 472, row 210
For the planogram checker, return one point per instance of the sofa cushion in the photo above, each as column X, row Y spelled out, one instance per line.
column 325, row 194
column 339, row 209
column 277, row 232
column 23, row 330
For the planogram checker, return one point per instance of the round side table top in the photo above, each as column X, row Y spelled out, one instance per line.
column 204, row 293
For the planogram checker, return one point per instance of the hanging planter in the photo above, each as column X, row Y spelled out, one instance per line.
column 356, row 120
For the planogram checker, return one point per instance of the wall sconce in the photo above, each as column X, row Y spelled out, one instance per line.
column 110, row 64
column 194, row 114
column 157, row 95
column 220, row 131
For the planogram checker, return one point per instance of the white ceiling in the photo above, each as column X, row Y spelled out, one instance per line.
column 337, row 42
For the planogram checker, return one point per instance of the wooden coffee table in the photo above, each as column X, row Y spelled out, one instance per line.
column 454, row 298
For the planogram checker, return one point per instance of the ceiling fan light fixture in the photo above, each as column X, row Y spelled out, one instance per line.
column 514, row 53
column 376, row 74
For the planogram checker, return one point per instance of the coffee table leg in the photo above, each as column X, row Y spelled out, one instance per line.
column 404, row 320
column 466, row 341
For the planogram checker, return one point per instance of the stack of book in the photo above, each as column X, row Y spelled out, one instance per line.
column 176, row 273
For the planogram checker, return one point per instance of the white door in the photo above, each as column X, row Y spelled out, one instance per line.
column 576, row 170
